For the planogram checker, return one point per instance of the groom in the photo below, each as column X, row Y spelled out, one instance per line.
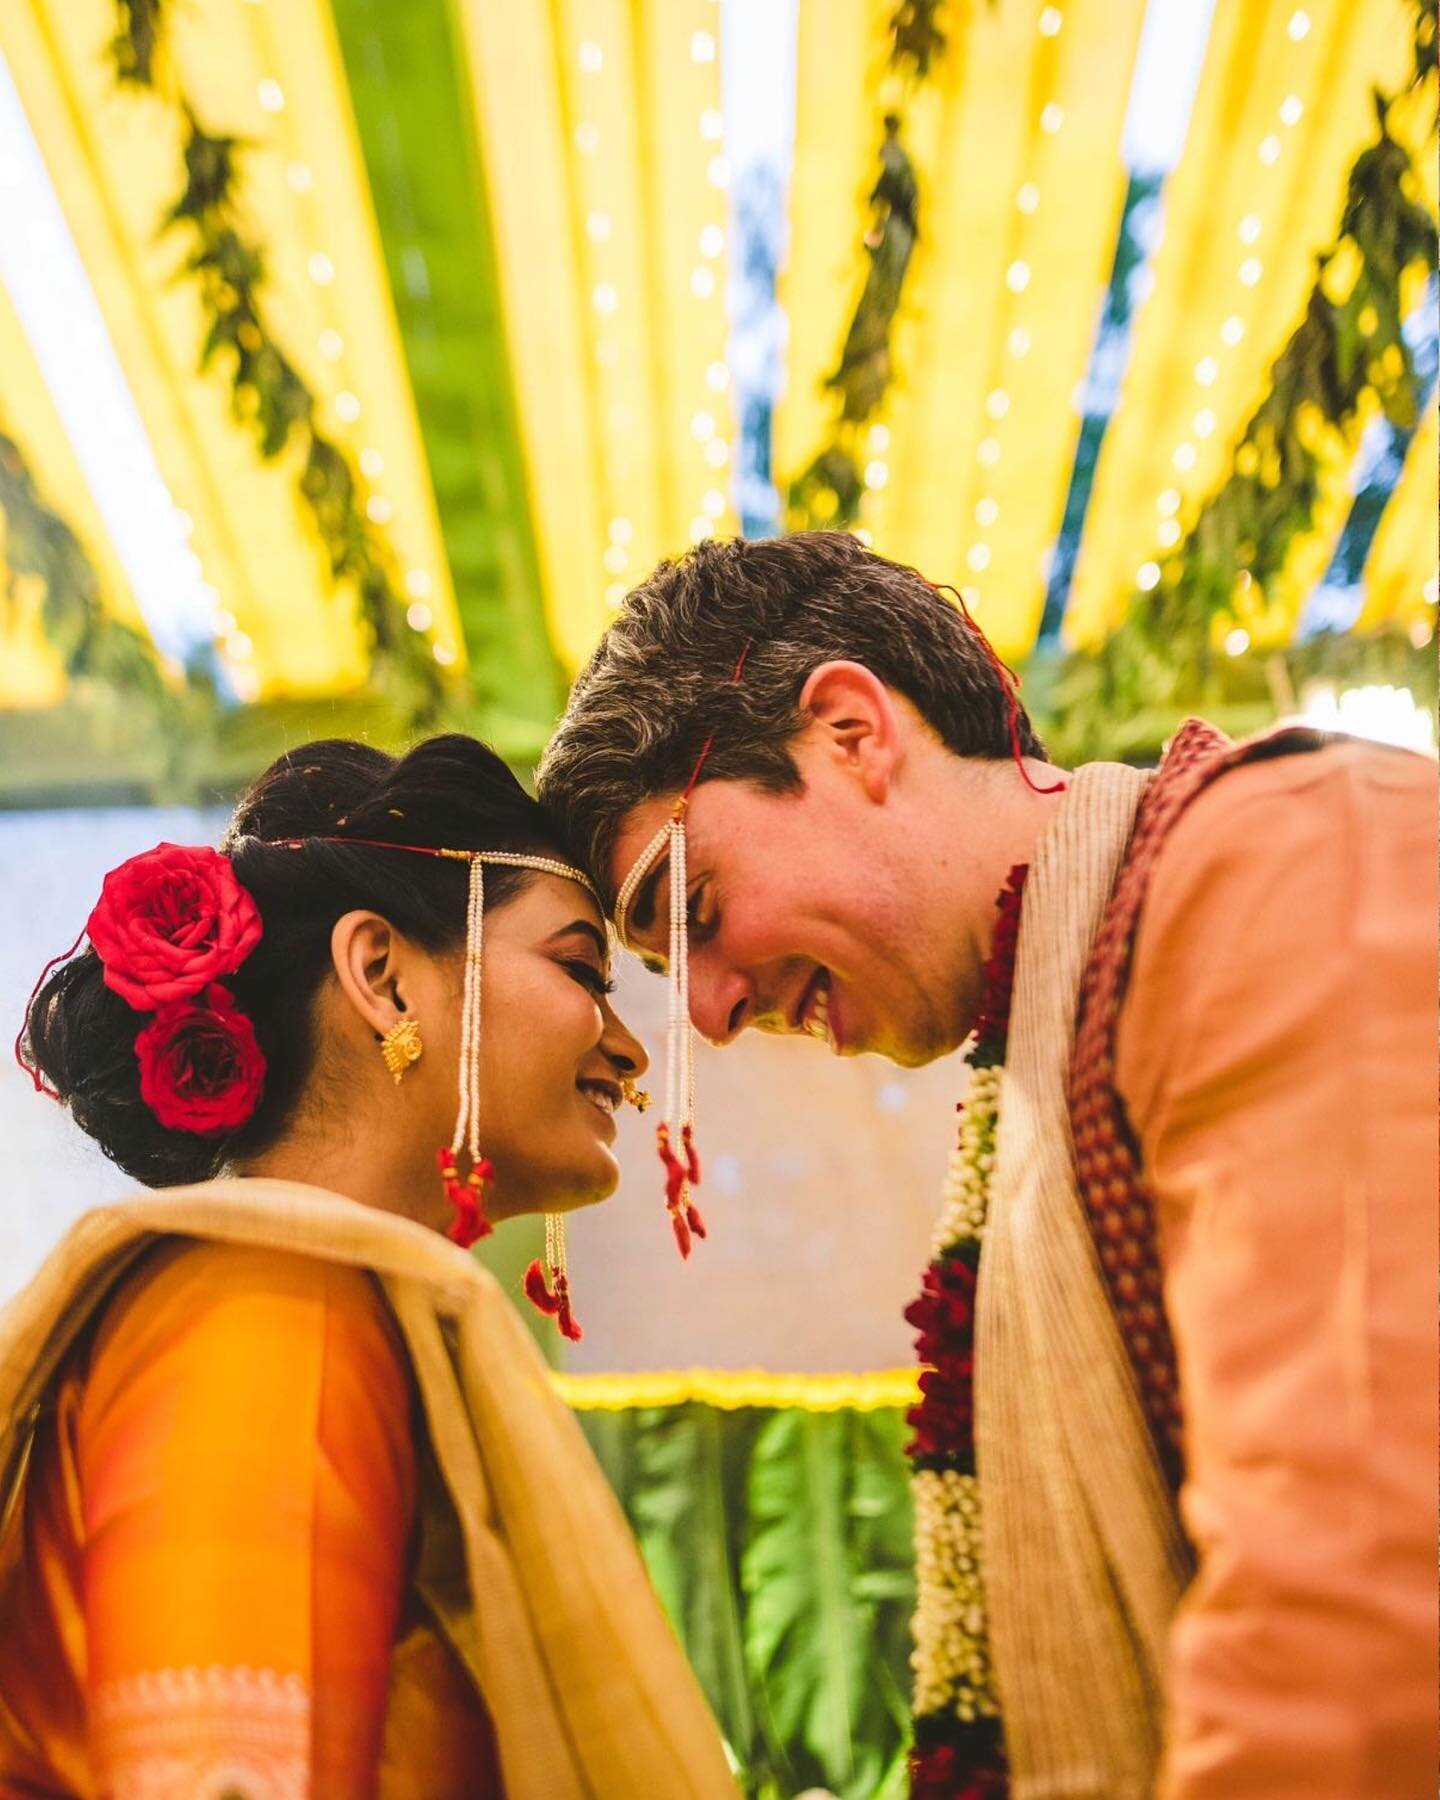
column 1198, row 1148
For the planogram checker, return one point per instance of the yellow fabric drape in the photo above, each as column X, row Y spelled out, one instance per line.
column 840, row 56
column 115, row 159
column 1282, row 109
column 554, row 1618
column 227, row 50
column 599, row 126
column 1017, row 146
column 31, row 674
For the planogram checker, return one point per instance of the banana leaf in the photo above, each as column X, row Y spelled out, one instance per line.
column 780, row 1543
column 827, row 1578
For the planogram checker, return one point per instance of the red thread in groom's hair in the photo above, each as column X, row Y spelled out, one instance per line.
column 710, row 741
column 1009, row 681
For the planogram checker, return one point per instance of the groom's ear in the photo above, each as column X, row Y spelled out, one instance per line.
column 853, row 723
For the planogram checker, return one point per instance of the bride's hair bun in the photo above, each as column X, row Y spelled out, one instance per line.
column 451, row 791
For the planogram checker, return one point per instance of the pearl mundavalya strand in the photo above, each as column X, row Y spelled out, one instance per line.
column 677, row 1122
column 466, row 1193
column 675, row 1134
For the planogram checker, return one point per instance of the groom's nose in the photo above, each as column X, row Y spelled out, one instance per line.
column 721, row 1003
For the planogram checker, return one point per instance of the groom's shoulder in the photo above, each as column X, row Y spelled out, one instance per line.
column 1270, row 807
column 1279, row 873
column 1277, row 832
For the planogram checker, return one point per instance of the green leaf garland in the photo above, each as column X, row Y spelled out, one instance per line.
column 1349, row 344
column 92, row 644
column 827, row 493
column 267, row 389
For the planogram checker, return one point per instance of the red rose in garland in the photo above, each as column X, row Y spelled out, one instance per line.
column 946, row 1773
column 993, row 1024
column 944, row 1317
column 201, row 1069
column 944, row 1420
column 944, row 1313
column 960, row 1748
column 169, row 922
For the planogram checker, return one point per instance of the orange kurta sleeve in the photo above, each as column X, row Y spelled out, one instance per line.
column 1277, row 1057
column 247, row 1467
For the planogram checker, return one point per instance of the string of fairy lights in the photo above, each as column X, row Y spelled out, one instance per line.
column 619, row 346
column 1250, row 229
column 341, row 382
column 1014, row 335
column 59, row 313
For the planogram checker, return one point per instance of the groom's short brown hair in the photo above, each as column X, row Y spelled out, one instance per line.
column 660, row 681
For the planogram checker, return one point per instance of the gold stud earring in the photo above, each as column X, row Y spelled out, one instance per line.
column 634, row 1096
column 401, row 1048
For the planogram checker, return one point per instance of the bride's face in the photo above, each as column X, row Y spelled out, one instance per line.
column 553, row 1053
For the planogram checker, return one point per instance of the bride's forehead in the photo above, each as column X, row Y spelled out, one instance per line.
column 546, row 897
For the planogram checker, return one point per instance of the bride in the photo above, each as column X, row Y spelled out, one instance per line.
column 286, row 1504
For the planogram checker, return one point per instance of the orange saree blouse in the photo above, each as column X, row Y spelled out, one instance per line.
column 207, row 1585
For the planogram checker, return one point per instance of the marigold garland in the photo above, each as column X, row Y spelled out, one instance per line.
column 959, row 1749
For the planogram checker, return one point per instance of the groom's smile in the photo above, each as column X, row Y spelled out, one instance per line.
column 797, row 922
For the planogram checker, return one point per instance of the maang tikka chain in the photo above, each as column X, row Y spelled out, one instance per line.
column 675, row 1134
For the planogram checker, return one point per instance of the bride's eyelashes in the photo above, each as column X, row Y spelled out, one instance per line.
column 589, row 977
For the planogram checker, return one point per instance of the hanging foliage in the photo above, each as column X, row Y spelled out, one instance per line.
column 1218, row 590
column 828, row 491
column 267, row 389
column 91, row 643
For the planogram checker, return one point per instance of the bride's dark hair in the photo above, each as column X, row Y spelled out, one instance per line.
column 451, row 791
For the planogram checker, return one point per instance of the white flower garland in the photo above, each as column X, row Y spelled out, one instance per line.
column 951, row 1658
column 965, row 1195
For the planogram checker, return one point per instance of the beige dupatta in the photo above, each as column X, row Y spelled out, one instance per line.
column 1083, row 1553
column 590, row 1693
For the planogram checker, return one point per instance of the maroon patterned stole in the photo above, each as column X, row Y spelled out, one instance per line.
column 1110, row 1177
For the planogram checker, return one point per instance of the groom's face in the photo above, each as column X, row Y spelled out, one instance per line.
column 804, row 918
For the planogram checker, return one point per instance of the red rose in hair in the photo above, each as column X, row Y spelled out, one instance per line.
column 201, row 1069
column 169, row 922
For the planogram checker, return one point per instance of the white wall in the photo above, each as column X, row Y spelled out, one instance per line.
column 51, row 866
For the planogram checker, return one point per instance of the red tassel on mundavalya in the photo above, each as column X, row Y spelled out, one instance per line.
column 555, row 1305
column 676, row 1173
column 467, row 1197
column 538, row 1294
column 692, row 1176
column 685, row 1219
